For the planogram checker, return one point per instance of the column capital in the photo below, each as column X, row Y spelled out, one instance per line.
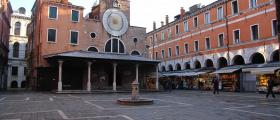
column 89, row 63
column 60, row 61
column 115, row 64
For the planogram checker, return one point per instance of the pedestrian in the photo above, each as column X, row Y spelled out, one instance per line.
column 215, row 83
column 270, row 87
column 169, row 85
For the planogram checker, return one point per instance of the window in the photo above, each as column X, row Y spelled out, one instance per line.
column 51, row 35
column 14, row 71
column 114, row 45
column 135, row 53
column 162, row 54
column 177, row 51
column 255, row 32
column 151, row 41
column 162, row 35
column 25, row 71
column 220, row 14
column 196, row 46
column 156, row 55
column 274, row 28
column 253, row 3
column 195, row 22
column 207, row 43
column 169, row 33
column 186, row 48
column 236, row 36
column 75, row 16
column 156, row 37
column 221, row 40
column 169, row 52
column 93, row 49
column 74, row 36
column 16, row 50
column 186, row 26
column 177, row 29
column 52, row 12
column 17, row 28
column 234, row 6
column 93, row 35
column 207, row 18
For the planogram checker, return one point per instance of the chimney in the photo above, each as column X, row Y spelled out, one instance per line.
column 154, row 25
column 166, row 19
column 162, row 23
column 182, row 11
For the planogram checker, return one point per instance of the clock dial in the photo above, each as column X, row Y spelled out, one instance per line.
column 115, row 22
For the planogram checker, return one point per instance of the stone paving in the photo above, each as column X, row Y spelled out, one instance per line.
column 176, row 105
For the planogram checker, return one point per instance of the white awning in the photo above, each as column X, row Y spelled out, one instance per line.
column 226, row 71
column 266, row 70
column 199, row 73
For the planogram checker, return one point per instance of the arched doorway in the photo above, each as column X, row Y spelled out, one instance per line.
column 257, row 58
column 222, row 62
column 170, row 68
column 14, row 84
column 178, row 67
column 187, row 65
column 209, row 63
column 238, row 60
column 163, row 69
column 197, row 65
column 23, row 84
column 275, row 56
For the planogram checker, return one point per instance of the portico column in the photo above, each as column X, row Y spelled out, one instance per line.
column 89, row 77
column 137, row 78
column 115, row 77
column 157, row 87
column 59, row 87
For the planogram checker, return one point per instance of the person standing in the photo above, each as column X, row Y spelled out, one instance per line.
column 215, row 83
column 270, row 88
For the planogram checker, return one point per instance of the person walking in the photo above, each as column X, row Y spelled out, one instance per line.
column 270, row 88
column 215, row 83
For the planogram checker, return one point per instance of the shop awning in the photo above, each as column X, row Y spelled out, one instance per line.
column 266, row 70
column 225, row 71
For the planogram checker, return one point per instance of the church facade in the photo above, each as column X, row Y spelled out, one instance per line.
column 101, row 51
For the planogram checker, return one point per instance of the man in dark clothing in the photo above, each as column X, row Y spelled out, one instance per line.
column 215, row 83
column 270, row 88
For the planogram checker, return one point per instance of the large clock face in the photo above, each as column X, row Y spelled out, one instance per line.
column 115, row 22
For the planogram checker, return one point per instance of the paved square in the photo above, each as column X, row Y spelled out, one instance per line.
column 177, row 105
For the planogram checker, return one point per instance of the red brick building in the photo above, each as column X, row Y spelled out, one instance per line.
column 226, row 35
column 5, row 19
column 100, row 51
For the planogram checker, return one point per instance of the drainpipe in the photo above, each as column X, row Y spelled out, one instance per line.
column 227, row 31
column 277, row 4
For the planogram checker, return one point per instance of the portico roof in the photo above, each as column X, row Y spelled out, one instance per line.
column 100, row 56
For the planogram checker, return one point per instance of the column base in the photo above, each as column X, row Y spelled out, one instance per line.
column 59, row 88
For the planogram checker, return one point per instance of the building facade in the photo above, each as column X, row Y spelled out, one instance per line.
column 5, row 19
column 17, row 47
column 100, row 51
column 223, row 34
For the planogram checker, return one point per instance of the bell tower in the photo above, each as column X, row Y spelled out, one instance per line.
column 122, row 5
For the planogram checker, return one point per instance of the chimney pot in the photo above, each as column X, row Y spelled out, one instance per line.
column 154, row 25
column 166, row 19
column 162, row 23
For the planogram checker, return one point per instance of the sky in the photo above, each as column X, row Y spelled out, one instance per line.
column 143, row 12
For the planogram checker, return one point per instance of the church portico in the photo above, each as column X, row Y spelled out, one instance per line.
column 113, row 72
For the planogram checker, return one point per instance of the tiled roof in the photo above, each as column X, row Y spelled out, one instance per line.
column 101, row 56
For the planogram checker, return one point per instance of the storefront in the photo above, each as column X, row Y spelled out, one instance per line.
column 263, row 74
column 230, row 79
